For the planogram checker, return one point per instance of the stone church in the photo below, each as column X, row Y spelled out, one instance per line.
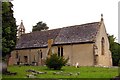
column 85, row 44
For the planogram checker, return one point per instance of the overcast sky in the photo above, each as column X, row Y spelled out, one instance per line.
column 62, row 13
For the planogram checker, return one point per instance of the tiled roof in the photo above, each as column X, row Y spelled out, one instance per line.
column 72, row 34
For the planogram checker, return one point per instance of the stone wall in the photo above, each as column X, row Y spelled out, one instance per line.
column 106, row 58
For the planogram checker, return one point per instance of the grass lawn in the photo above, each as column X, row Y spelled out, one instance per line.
column 85, row 72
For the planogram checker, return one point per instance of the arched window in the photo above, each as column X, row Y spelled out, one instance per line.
column 102, row 46
column 16, row 54
column 40, row 54
column 60, row 51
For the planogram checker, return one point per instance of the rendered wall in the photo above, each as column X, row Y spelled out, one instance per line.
column 32, row 55
column 78, row 53
column 81, row 53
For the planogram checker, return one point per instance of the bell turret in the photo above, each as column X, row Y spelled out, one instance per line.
column 21, row 29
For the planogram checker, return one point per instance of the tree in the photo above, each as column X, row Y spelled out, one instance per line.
column 9, row 29
column 40, row 26
column 55, row 62
column 115, row 49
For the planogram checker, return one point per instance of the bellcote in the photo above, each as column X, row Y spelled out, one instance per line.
column 21, row 29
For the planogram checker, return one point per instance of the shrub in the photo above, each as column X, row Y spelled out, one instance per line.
column 55, row 62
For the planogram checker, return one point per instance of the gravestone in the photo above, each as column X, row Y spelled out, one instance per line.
column 4, row 67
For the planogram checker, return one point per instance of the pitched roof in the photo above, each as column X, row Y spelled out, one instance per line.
column 72, row 34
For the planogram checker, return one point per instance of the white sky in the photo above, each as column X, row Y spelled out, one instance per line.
column 62, row 13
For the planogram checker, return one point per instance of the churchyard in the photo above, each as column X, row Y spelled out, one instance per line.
column 65, row 72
